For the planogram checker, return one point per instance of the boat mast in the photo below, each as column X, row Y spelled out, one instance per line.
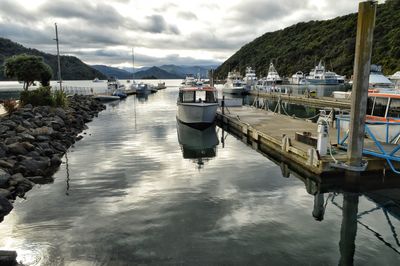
column 133, row 66
column 58, row 58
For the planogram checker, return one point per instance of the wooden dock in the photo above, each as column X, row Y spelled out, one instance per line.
column 318, row 102
column 274, row 134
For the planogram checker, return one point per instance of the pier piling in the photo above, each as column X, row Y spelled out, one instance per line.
column 362, row 64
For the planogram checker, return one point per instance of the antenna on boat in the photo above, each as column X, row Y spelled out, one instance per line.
column 58, row 58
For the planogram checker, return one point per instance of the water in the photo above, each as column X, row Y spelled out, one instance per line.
column 140, row 189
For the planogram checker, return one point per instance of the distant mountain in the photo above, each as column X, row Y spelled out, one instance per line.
column 71, row 67
column 137, row 69
column 181, row 70
column 301, row 46
column 156, row 72
column 113, row 72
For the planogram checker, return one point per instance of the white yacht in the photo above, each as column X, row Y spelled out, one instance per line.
column 197, row 106
column 298, row 78
column 250, row 79
column 234, row 84
column 273, row 76
column 320, row 76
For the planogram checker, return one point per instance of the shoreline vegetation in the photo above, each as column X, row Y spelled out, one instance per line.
column 33, row 141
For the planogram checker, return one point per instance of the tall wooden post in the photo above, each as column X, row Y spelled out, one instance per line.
column 359, row 94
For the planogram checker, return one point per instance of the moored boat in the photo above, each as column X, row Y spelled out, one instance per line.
column 320, row 76
column 161, row 86
column 197, row 106
column 298, row 78
column 250, row 78
column 273, row 76
column 234, row 84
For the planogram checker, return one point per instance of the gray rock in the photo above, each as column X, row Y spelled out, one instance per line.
column 28, row 146
column 28, row 107
column 61, row 113
column 27, row 124
column 17, row 148
column 9, row 123
column 3, row 129
column 41, row 179
column 42, row 138
column 3, row 152
column 5, row 193
column 34, row 166
column 58, row 146
column 4, row 178
column 55, row 160
column 12, row 140
column 5, row 164
column 20, row 129
column 42, row 131
column 27, row 115
column 26, row 137
column 5, row 207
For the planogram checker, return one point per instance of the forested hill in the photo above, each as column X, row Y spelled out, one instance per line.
column 300, row 46
column 71, row 67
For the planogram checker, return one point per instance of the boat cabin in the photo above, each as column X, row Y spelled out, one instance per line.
column 198, row 95
column 383, row 105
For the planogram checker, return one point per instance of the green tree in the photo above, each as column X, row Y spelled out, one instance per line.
column 28, row 68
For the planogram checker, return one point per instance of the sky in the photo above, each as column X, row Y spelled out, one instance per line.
column 181, row 32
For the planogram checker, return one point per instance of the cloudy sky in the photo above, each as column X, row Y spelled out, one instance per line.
column 184, row 32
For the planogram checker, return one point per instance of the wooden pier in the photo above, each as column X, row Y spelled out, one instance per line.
column 318, row 102
column 275, row 135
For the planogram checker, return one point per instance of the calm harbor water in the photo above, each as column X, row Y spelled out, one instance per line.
column 141, row 189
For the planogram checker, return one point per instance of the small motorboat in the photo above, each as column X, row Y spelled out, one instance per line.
column 197, row 106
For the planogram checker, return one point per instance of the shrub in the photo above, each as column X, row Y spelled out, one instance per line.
column 39, row 97
column 60, row 98
column 10, row 106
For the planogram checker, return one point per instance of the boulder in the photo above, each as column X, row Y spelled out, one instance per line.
column 4, row 178
column 41, row 179
column 5, row 193
column 5, row 164
column 43, row 138
column 17, row 148
column 20, row 129
column 55, row 160
column 5, row 208
column 11, row 140
column 9, row 123
column 3, row 129
column 33, row 166
column 42, row 131
column 26, row 137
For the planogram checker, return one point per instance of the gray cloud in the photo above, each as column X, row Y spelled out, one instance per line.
column 13, row 12
column 157, row 24
column 187, row 15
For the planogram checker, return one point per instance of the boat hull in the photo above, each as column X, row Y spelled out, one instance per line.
column 197, row 114
column 234, row 90
column 323, row 81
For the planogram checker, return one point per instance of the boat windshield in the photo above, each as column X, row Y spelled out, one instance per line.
column 197, row 97
column 394, row 108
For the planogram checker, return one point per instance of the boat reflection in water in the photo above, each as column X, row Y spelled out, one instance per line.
column 197, row 145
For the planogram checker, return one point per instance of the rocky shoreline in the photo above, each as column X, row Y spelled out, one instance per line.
column 33, row 141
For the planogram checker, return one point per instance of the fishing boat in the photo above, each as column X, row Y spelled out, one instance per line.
column 234, row 84
column 143, row 88
column 189, row 81
column 197, row 106
column 320, row 76
column 96, row 80
column 161, row 86
column 273, row 76
column 395, row 78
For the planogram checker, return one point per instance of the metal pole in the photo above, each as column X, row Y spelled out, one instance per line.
column 362, row 65
column 58, row 58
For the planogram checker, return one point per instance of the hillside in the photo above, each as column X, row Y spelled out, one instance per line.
column 71, row 67
column 301, row 46
column 156, row 72
column 113, row 72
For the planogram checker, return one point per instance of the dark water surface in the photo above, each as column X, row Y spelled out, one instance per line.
column 128, row 193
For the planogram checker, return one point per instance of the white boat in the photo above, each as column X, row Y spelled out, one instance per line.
column 382, row 107
column 197, row 106
column 319, row 76
column 273, row 76
column 106, row 97
column 250, row 78
column 143, row 88
column 298, row 78
column 114, row 84
column 161, row 86
column 234, row 84
column 189, row 80
column 377, row 80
